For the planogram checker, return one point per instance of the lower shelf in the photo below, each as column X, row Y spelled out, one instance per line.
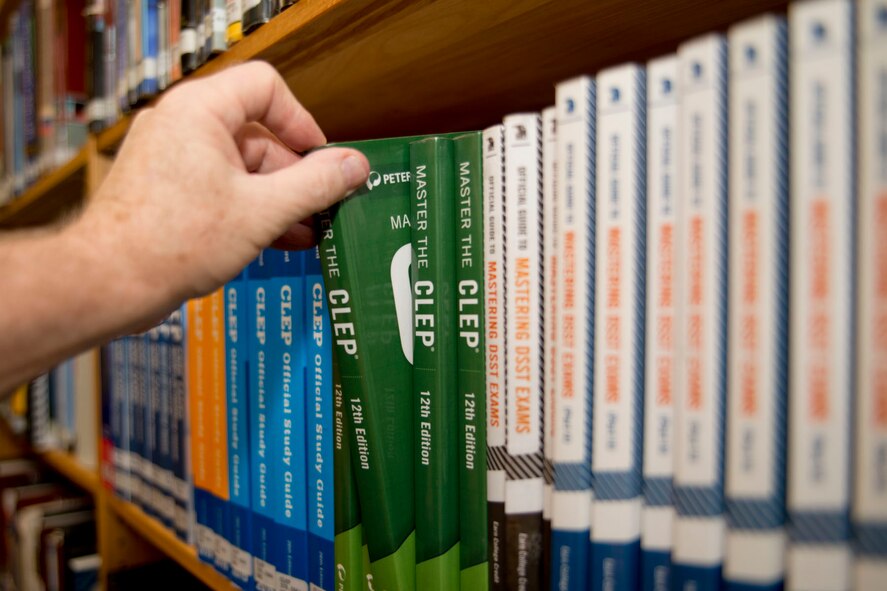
column 165, row 541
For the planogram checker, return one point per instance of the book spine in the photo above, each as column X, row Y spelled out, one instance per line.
column 619, row 314
column 163, row 66
column 29, row 89
column 121, row 12
column 199, row 385
column 350, row 546
column 138, row 394
column 701, row 384
column 550, row 268
column 188, row 36
column 218, row 26
column 494, row 343
column 108, row 377
column 256, row 13
column 470, row 354
column 233, row 17
column 524, row 353
column 368, row 326
column 148, row 78
column 175, row 40
column 657, row 515
column 821, row 380
column 320, row 456
column 152, row 408
column 262, row 318
column 237, row 332
column 178, row 436
column 572, row 496
column 869, row 507
column 217, row 434
column 349, row 543
column 163, row 428
column 758, row 306
column 432, row 219
column 286, row 419
column 46, row 107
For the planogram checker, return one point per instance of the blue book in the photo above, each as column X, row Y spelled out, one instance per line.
column 286, row 417
column 138, row 393
column 149, row 85
column 262, row 319
column 319, row 439
column 152, row 409
column 237, row 332
column 178, row 428
column 165, row 503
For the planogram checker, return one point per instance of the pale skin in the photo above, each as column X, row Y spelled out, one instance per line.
column 204, row 180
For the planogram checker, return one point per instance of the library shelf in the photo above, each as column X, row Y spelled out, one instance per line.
column 52, row 194
column 164, row 540
column 72, row 469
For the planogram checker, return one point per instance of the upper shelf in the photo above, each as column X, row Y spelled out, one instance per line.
column 52, row 194
column 389, row 67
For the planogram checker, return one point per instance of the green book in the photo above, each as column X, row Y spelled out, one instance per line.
column 470, row 360
column 433, row 221
column 366, row 254
column 348, row 531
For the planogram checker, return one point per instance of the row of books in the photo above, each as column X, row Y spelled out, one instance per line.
column 219, row 423
column 73, row 66
column 44, row 93
column 140, row 47
column 682, row 274
column 48, row 532
column 57, row 410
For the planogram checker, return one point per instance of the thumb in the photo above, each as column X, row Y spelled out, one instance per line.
column 312, row 184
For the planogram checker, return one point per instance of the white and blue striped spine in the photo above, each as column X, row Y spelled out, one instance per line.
column 572, row 496
column 619, row 316
column 869, row 508
column 758, row 305
column 524, row 483
column 549, row 249
column 657, row 515
column 822, row 294
column 702, row 316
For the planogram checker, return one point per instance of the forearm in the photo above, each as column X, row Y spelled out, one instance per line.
column 64, row 290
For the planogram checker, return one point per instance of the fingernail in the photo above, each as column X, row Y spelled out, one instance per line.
column 354, row 171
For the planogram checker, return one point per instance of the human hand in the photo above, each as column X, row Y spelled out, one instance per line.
column 210, row 176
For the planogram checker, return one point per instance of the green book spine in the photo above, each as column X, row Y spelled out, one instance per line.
column 366, row 254
column 470, row 354
column 348, row 531
column 432, row 220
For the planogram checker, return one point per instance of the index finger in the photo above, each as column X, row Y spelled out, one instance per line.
column 255, row 92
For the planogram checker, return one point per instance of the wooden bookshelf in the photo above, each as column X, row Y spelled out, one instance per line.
column 71, row 468
column 50, row 197
column 380, row 68
column 165, row 541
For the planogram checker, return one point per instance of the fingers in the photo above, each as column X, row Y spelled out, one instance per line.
column 261, row 151
column 311, row 185
column 255, row 92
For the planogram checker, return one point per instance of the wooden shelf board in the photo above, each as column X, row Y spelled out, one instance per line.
column 68, row 466
column 388, row 67
column 49, row 196
column 168, row 543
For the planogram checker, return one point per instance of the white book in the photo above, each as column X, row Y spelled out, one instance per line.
column 869, row 506
column 657, row 515
column 494, row 295
column 572, row 496
column 821, row 297
column 758, row 304
column 700, row 388
column 549, row 248
column 524, row 355
column 620, row 236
